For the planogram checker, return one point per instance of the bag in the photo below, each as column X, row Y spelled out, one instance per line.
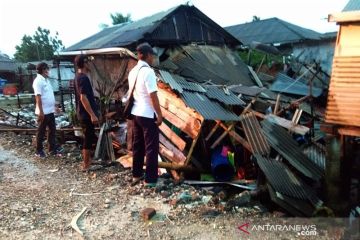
column 130, row 101
column 128, row 107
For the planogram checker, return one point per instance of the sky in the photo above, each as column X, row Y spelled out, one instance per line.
column 75, row 20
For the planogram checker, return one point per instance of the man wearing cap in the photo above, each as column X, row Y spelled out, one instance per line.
column 45, row 109
column 86, row 108
column 147, row 116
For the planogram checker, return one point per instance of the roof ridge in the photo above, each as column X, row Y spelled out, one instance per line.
column 290, row 26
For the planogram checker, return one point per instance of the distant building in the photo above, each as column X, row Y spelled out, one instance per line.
column 7, row 68
column 305, row 45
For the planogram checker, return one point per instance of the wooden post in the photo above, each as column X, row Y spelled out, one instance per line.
column 212, row 131
column 227, row 130
column 277, row 104
column 188, row 157
column 332, row 172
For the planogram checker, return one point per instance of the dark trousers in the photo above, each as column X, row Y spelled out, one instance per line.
column 49, row 121
column 89, row 134
column 145, row 143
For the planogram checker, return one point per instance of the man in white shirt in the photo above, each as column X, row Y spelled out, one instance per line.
column 45, row 108
column 147, row 116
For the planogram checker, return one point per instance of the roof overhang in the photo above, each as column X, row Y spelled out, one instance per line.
column 121, row 51
column 352, row 16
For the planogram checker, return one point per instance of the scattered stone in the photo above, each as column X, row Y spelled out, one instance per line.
column 147, row 213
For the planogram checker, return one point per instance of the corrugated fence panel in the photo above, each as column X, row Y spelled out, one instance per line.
column 343, row 106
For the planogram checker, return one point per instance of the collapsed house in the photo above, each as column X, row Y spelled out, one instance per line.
column 215, row 107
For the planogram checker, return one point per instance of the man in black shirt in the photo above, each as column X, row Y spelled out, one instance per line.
column 86, row 107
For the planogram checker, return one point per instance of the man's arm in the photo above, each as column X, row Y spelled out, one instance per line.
column 39, row 104
column 156, row 105
column 86, row 104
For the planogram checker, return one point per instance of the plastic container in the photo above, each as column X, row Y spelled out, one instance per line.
column 2, row 84
column 221, row 168
column 10, row 89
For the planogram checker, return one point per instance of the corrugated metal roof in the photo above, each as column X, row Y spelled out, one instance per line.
column 245, row 90
column 272, row 30
column 223, row 95
column 284, row 181
column 6, row 64
column 121, row 34
column 168, row 78
column 352, row 5
column 286, row 84
column 183, row 24
column 283, row 143
column 210, row 110
column 343, row 104
column 317, row 155
column 219, row 65
column 254, row 134
column 190, row 86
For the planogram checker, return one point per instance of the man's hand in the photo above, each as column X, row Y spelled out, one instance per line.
column 41, row 117
column 94, row 119
column 159, row 120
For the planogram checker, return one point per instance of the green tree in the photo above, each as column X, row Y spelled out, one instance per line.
column 255, row 18
column 118, row 18
column 40, row 46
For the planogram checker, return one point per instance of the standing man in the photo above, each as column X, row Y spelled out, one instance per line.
column 147, row 117
column 45, row 109
column 86, row 107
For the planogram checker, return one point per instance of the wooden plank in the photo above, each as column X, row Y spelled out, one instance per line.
column 345, row 122
column 328, row 128
column 351, row 16
column 188, row 157
column 350, row 131
column 186, row 127
column 177, row 167
column 257, row 80
column 168, row 154
column 237, row 137
column 171, row 100
column 277, row 104
column 172, row 136
column 288, row 124
column 213, row 130
column 172, row 148
column 222, row 136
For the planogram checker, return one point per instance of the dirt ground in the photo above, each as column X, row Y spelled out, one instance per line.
column 39, row 198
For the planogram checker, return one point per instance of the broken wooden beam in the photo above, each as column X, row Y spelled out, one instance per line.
column 302, row 130
column 222, row 136
column 191, row 127
column 237, row 137
column 213, row 130
column 177, row 167
column 170, row 155
column 169, row 146
column 172, row 136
